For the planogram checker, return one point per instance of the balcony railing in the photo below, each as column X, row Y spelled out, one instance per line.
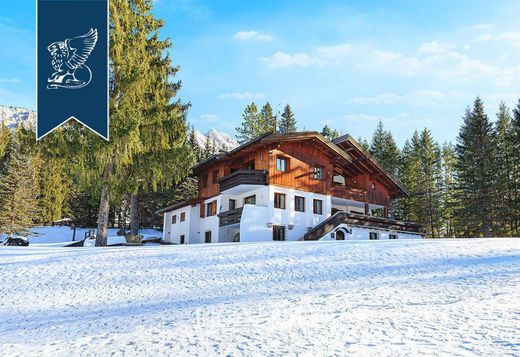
column 243, row 177
column 230, row 217
column 349, row 193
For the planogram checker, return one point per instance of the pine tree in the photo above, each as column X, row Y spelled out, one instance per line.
column 5, row 141
column 138, row 138
column 476, row 171
column 287, row 121
column 268, row 120
column 515, row 177
column 410, row 175
column 329, row 133
column 364, row 144
column 384, row 149
column 193, row 144
column 17, row 193
column 449, row 194
column 430, row 214
column 249, row 128
column 506, row 188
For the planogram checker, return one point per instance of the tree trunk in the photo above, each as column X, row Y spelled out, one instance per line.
column 103, row 213
column 134, row 215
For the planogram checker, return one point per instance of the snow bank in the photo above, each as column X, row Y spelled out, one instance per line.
column 425, row 297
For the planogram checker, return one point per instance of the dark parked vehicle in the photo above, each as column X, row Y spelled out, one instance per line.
column 19, row 242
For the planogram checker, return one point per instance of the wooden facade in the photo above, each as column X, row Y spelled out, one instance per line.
column 363, row 180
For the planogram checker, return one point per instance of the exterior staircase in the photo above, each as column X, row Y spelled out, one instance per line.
column 327, row 226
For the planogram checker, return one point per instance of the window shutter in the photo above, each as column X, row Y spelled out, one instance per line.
column 202, row 210
column 214, row 208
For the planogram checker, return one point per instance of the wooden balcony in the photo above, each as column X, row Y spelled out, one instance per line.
column 349, row 193
column 243, row 177
column 230, row 217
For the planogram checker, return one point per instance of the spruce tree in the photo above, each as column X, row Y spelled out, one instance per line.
column 384, row 149
column 5, row 141
column 410, row 175
column 250, row 127
column 268, row 120
column 287, row 121
column 515, row 177
column 138, row 139
column 329, row 133
column 476, row 171
column 17, row 193
column 430, row 214
column 449, row 193
column 506, row 173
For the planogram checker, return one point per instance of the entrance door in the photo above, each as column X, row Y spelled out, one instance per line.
column 340, row 235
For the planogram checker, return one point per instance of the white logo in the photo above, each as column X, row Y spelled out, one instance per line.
column 68, row 61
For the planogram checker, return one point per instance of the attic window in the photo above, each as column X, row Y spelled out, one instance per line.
column 281, row 164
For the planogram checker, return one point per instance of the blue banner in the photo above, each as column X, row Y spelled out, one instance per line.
column 72, row 65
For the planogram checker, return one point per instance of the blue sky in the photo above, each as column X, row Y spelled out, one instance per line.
column 347, row 64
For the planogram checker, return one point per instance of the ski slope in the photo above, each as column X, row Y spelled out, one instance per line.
column 383, row 298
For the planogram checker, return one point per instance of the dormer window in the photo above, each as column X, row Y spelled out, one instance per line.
column 281, row 164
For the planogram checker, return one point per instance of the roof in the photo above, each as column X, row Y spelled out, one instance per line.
column 273, row 138
column 349, row 143
column 180, row 204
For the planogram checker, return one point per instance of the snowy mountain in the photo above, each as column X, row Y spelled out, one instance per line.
column 221, row 140
column 14, row 116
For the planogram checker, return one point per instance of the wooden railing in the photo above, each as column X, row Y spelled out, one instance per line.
column 243, row 177
column 349, row 193
column 230, row 217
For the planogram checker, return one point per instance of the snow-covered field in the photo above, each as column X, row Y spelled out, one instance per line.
column 430, row 297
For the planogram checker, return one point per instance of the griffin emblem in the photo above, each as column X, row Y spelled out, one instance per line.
column 68, row 61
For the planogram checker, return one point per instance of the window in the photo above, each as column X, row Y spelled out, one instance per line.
column 318, row 173
column 215, row 176
column 232, row 204
column 299, row 204
column 373, row 236
column 174, row 219
column 183, row 216
column 182, row 239
column 279, row 200
column 204, row 181
column 251, row 200
column 250, row 165
column 211, row 208
column 392, row 236
column 281, row 164
column 279, row 233
column 317, row 206
column 207, row 237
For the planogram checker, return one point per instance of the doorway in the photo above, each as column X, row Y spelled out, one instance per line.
column 340, row 235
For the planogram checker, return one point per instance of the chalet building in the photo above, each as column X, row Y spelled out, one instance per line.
column 297, row 186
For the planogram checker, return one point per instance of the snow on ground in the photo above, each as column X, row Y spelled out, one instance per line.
column 429, row 297
column 56, row 236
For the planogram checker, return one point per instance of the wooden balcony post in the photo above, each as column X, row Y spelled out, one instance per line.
column 367, row 211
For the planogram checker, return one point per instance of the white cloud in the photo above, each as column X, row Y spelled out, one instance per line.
column 282, row 59
column 242, row 95
column 422, row 97
column 9, row 80
column 210, row 117
column 252, row 35
column 512, row 37
column 435, row 47
column 322, row 56
column 483, row 27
